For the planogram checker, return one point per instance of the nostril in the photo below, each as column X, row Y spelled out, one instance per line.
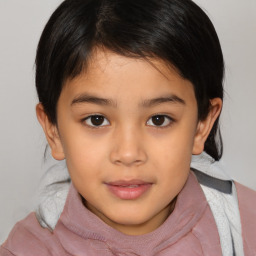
column 128, row 161
column 135, row 158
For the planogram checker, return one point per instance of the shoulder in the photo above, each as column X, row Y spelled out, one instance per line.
column 246, row 200
column 247, row 207
column 29, row 238
column 248, row 194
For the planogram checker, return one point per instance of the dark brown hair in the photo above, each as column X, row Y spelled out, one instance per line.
column 176, row 31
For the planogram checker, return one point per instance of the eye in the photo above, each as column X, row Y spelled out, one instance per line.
column 160, row 121
column 96, row 121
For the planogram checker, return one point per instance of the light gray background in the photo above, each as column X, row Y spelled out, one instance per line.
column 22, row 142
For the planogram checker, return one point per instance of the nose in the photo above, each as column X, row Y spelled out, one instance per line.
column 128, row 148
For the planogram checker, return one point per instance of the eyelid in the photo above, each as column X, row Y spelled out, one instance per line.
column 170, row 121
column 95, row 126
column 167, row 122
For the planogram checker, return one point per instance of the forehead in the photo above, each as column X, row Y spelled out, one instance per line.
column 116, row 76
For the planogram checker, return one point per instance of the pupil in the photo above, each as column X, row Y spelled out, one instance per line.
column 97, row 120
column 158, row 120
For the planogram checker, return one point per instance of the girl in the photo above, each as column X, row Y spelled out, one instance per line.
column 128, row 92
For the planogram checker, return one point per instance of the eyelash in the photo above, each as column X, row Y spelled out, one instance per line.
column 166, row 118
column 95, row 126
column 91, row 125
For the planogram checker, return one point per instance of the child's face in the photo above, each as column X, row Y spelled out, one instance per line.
column 127, row 130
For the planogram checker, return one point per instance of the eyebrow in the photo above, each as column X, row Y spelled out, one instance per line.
column 164, row 99
column 86, row 98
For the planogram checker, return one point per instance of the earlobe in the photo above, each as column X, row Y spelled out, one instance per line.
column 51, row 133
column 204, row 126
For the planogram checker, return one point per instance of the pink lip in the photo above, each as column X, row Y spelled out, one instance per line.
column 128, row 190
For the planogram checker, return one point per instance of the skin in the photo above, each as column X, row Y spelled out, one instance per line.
column 129, row 144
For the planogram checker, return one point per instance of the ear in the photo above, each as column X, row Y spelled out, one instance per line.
column 51, row 133
column 204, row 126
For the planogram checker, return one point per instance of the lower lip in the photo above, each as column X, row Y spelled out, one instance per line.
column 129, row 193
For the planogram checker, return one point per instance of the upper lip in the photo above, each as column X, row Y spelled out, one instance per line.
column 128, row 182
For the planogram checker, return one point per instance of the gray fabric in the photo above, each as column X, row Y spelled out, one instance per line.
column 223, row 186
column 220, row 192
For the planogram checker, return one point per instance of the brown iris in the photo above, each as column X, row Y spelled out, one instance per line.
column 97, row 120
column 158, row 120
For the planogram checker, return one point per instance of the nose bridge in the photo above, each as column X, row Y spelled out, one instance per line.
column 128, row 146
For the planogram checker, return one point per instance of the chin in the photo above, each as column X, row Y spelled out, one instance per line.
column 130, row 219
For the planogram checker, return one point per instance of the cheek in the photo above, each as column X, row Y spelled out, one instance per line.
column 172, row 155
column 173, row 171
column 84, row 155
column 176, row 147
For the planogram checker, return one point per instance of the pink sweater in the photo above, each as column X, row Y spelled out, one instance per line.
column 189, row 230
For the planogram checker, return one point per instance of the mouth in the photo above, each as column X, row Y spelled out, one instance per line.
column 128, row 190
